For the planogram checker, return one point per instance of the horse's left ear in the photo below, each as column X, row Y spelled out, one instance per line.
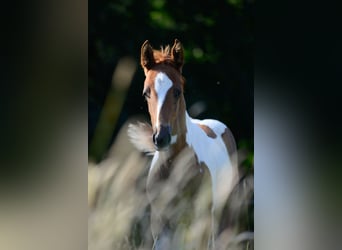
column 177, row 54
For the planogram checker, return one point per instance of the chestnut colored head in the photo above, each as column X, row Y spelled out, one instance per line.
column 163, row 90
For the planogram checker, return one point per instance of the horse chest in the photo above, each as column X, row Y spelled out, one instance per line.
column 174, row 187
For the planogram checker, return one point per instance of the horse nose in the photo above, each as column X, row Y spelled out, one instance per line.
column 162, row 138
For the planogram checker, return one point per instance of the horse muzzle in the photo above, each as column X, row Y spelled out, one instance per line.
column 162, row 138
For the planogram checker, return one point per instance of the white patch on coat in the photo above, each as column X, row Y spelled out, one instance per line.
column 173, row 139
column 162, row 84
column 154, row 161
column 213, row 153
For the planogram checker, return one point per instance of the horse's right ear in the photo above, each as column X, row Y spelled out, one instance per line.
column 146, row 57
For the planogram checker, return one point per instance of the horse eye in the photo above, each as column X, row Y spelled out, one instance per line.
column 176, row 93
column 147, row 92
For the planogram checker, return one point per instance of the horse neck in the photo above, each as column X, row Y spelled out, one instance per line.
column 183, row 127
column 180, row 130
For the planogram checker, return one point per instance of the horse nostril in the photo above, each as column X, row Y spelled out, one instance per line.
column 163, row 138
column 154, row 138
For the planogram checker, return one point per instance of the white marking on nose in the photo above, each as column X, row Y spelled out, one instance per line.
column 173, row 139
column 162, row 84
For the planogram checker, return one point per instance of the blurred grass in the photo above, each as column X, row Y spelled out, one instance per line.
column 121, row 80
column 116, row 198
column 119, row 210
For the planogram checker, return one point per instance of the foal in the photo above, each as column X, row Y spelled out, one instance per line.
column 194, row 161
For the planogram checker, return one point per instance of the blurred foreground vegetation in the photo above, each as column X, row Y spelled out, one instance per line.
column 119, row 213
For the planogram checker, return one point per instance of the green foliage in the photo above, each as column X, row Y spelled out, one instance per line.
column 236, row 3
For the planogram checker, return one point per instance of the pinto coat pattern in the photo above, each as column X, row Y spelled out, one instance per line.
column 194, row 162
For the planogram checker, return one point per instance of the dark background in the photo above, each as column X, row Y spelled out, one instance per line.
column 218, row 38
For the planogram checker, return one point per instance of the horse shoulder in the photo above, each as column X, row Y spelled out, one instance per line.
column 214, row 128
column 222, row 160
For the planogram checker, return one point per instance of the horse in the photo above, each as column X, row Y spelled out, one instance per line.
column 193, row 160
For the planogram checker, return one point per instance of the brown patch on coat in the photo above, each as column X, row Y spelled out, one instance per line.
column 229, row 140
column 208, row 131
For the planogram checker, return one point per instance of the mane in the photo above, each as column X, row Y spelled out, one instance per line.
column 163, row 55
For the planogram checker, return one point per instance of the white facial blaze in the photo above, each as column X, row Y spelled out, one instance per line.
column 162, row 85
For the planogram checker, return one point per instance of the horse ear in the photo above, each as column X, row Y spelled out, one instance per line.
column 177, row 54
column 146, row 57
